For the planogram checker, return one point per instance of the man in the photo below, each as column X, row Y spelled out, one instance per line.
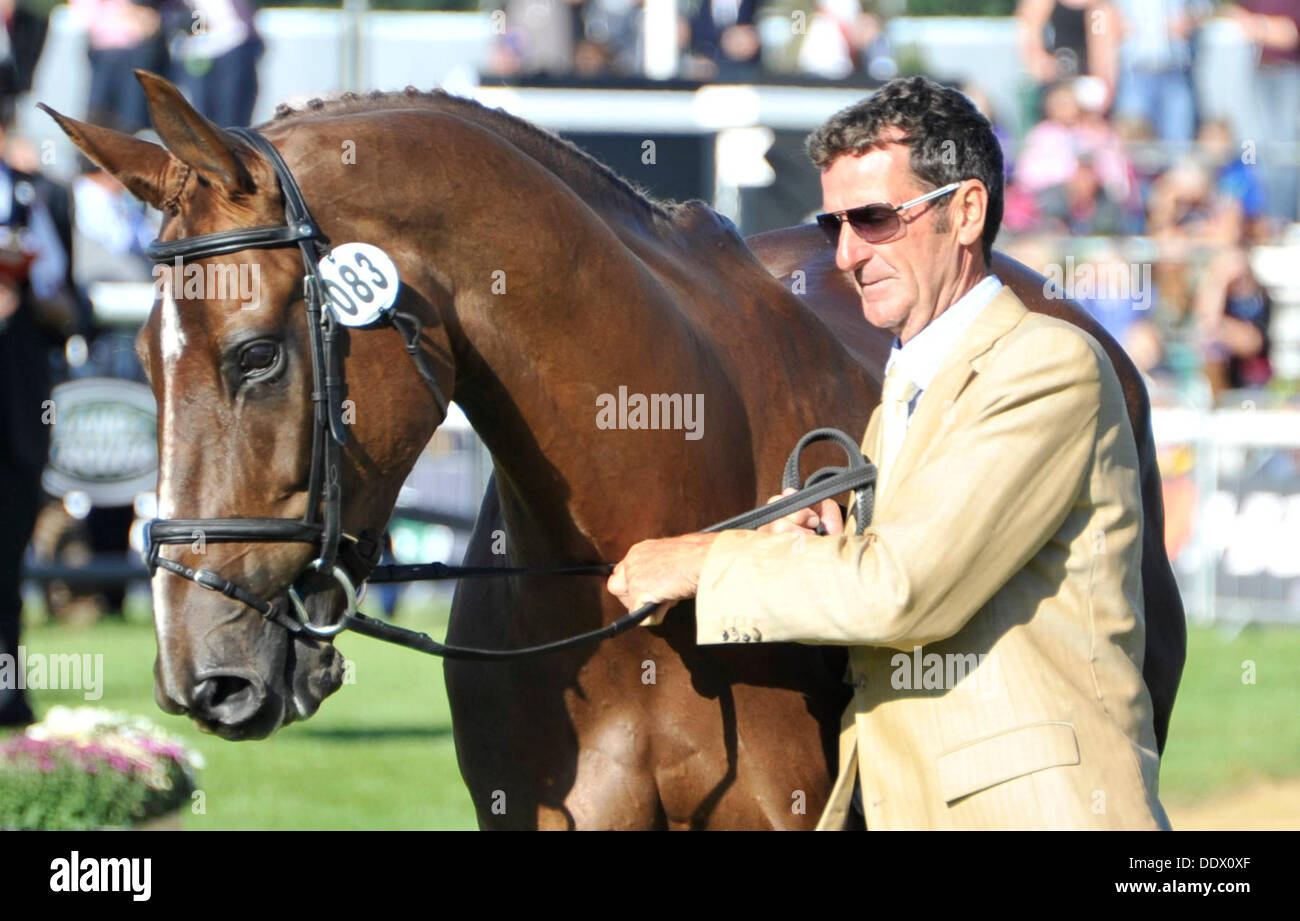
column 33, row 304
column 993, row 609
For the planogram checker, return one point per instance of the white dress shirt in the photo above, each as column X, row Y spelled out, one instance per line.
column 924, row 354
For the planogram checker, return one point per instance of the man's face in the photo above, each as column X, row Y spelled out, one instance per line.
column 899, row 279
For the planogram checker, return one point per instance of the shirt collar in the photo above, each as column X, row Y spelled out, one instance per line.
column 925, row 352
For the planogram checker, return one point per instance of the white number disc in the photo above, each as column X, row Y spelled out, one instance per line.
column 360, row 283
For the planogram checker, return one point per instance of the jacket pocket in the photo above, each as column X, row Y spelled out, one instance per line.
column 1014, row 753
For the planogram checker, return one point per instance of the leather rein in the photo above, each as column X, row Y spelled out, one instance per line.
column 352, row 560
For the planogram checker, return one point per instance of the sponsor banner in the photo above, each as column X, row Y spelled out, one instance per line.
column 104, row 442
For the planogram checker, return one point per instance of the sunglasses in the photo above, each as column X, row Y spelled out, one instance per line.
column 877, row 222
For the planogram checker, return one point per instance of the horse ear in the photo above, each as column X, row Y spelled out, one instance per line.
column 139, row 165
column 192, row 138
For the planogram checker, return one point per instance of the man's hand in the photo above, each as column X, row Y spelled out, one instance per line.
column 666, row 570
column 806, row 520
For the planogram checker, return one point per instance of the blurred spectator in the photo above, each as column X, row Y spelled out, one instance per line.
column 124, row 36
column 34, row 306
column 1235, row 178
column 1052, row 155
column 1274, row 26
column 1146, row 347
column 839, row 40
column 1186, row 205
column 1080, row 206
column 25, row 30
column 1052, row 148
column 1062, row 40
column 723, row 40
column 1232, row 317
column 533, row 36
column 216, row 60
column 22, row 156
column 34, row 256
column 1145, row 154
column 111, row 232
column 1188, row 219
column 1156, row 56
column 592, row 59
column 611, row 38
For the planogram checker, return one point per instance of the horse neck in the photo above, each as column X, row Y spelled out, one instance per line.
column 552, row 298
column 545, row 307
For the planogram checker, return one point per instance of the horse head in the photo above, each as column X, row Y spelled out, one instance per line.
column 228, row 349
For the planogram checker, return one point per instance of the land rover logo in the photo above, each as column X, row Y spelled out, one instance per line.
column 104, row 441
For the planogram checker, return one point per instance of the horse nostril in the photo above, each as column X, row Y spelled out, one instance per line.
column 226, row 698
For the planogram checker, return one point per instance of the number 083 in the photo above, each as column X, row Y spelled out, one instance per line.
column 354, row 288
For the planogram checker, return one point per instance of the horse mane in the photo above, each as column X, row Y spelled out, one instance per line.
column 570, row 163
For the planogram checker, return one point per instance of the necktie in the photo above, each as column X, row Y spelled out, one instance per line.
column 895, row 399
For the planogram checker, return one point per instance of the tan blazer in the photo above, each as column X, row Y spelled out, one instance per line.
column 993, row 608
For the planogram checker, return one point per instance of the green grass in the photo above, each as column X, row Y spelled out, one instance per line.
column 379, row 753
column 1226, row 733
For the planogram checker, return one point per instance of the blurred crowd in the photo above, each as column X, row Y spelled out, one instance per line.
column 209, row 48
column 1119, row 171
column 58, row 239
column 1152, row 208
column 1111, row 163
column 717, row 39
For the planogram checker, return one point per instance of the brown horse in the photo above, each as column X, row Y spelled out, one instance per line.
column 543, row 283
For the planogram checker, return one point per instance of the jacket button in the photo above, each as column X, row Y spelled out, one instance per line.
column 860, row 682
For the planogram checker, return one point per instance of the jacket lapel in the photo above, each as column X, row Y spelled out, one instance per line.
column 992, row 323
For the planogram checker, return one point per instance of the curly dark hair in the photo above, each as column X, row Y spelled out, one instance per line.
column 949, row 139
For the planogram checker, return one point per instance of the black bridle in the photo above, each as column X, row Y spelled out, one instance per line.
column 352, row 559
column 322, row 523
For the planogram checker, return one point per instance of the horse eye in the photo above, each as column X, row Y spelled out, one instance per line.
column 258, row 356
